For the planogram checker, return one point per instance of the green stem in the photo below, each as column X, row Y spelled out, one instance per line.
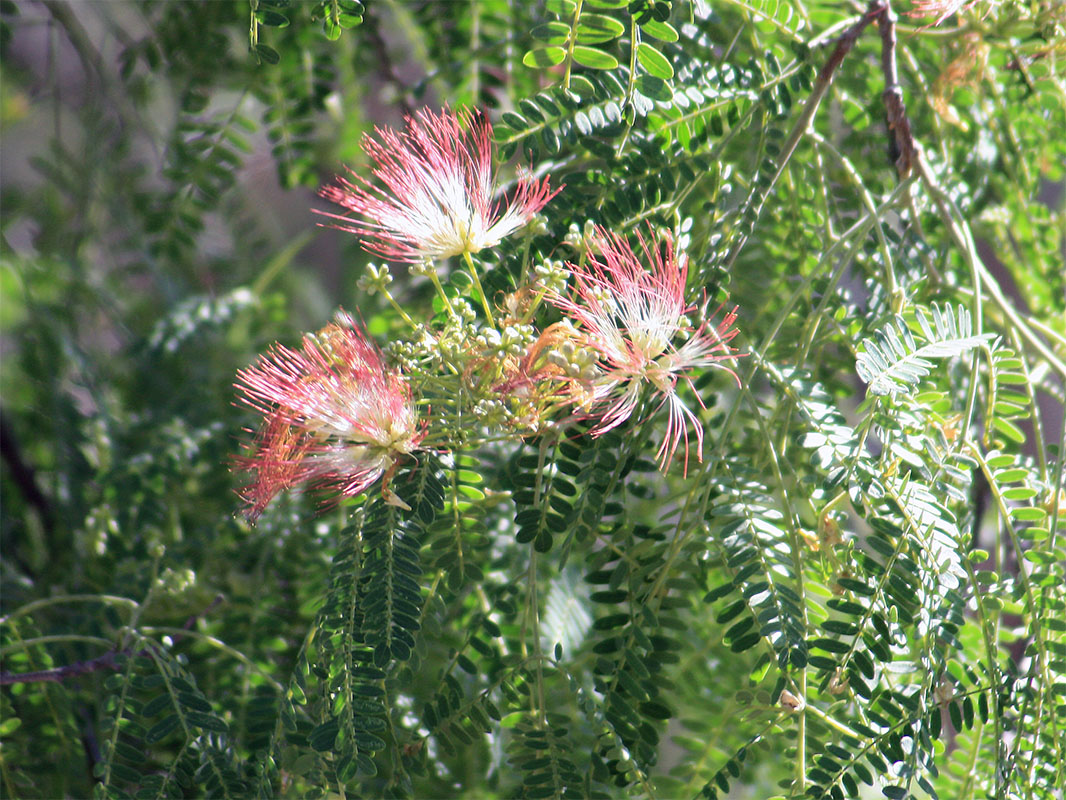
column 25, row 644
column 571, row 40
column 139, row 609
column 279, row 262
column 868, row 202
column 836, row 725
column 217, row 643
column 634, row 43
column 1031, row 606
column 534, row 611
column 396, row 306
column 956, row 224
column 253, row 25
column 36, row 605
column 432, row 273
column 477, row 285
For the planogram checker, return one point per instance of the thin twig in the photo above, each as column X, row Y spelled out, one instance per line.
column 93, row 62
column 895, row 110
column 844, row 44
column 59, row 674
column 108, row 660
column 959, row 229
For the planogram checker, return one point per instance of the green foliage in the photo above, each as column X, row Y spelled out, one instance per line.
column 895, row 361
column 858, row 590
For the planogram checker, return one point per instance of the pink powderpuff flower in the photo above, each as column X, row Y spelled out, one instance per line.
column 335, row 417
column 630, row 317
column 437, row 187
column 941, row 9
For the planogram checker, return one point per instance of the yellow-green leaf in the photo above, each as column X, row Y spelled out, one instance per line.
column 593, row 58
column 596, row 28
column 544, row 57
column 564, row 8
column 582, row 86
column 663, row 31
column 654, row 88
column 654, row 62
column 1029, row 514
column 1008, row 429
column 267, row 54
column 1012, row 475
column 552, row 32
column 271, row 19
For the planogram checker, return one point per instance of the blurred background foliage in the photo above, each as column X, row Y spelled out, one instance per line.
column 860, row 592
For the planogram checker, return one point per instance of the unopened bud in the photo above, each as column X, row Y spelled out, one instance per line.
column 573, row 235
column 375, row 279
column 424, row 268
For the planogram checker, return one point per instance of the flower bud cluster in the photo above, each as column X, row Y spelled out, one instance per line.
column 578, row 237
column 511, row 341
column 415, row 354
column 492, row 412
column 575, row 361
column 423, row 267
column 551, row 275
column 375, row 279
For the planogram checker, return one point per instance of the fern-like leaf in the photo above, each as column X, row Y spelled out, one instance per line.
column 894, row 361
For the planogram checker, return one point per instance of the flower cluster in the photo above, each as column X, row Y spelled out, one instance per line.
column 631, row 316
column 336, row 417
